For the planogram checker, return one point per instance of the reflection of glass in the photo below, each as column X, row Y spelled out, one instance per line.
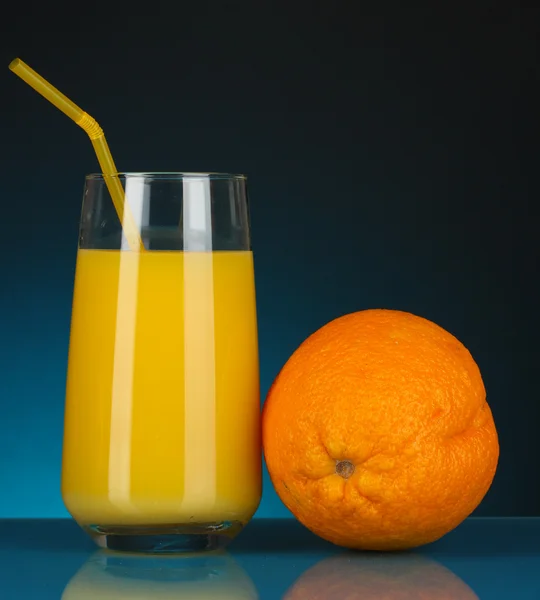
column 117, row 576
column 372, row 577
column 161, row 438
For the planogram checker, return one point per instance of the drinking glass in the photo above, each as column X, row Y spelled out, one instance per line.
column 162, row 420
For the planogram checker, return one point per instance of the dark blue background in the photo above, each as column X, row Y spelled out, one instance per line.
column 390, row 155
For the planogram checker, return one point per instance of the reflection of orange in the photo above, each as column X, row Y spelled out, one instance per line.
column 377, row 434
column 376, row 577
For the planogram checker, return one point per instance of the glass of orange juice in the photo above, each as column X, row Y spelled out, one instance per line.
column 162, row 420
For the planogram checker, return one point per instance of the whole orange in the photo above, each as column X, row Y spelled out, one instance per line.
column 377, row 434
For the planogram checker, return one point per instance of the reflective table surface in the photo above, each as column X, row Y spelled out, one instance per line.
column 483, row 558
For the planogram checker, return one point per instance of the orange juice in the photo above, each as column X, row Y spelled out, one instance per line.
column 162, row 402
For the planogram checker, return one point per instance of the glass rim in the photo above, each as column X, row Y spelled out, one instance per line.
column 170, row 175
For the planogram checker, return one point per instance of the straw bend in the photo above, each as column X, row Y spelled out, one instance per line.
column 90, row 125
column 97, row 137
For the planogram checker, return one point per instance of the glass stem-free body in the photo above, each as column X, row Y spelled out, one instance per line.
column 162, row 409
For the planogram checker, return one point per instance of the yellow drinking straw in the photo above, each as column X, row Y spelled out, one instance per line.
column 97, row 137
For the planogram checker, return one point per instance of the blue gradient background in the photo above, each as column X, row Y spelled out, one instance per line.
column 390, row 162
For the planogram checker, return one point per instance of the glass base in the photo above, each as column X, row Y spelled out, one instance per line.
column 164, row 539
